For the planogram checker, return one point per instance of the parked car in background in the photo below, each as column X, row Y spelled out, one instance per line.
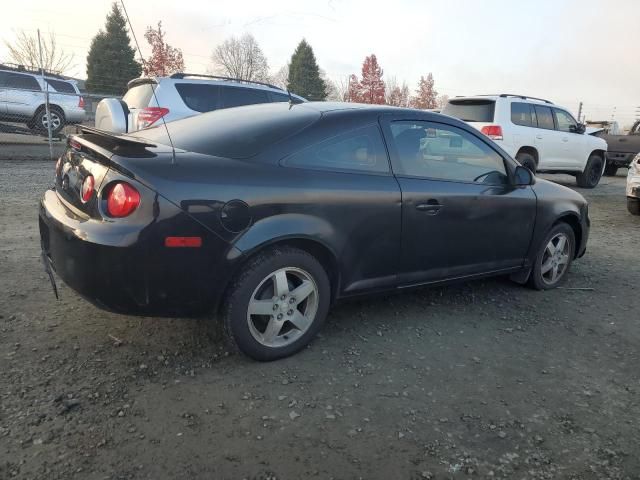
column 542, row 136
column 605, row 126
column 622, row 148
column 151, row 100
column 269, row 213
column 22, row 99
column 633, row 186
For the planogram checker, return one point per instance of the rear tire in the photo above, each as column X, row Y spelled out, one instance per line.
column 633, row 205
column 527, row 160
column 554, row 257
column 58, row 121
column 592, row 173
column 610, row 170
column 285, row 321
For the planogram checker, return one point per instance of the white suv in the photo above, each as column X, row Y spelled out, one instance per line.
column 149, row 100
column 22, row 99
column 540, row 135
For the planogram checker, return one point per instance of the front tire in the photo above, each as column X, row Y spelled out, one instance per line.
column 592, row 173
column 554, row 258
column 277, row 303
column 633, row 205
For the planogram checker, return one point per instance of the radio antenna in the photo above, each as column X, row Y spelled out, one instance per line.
column 153, row 90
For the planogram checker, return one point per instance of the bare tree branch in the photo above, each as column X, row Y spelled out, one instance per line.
column 241, row 58
column 24, row 51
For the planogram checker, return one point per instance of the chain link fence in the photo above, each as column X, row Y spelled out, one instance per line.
column 38, row 111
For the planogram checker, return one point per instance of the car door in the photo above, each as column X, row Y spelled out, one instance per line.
column 461, row 216
column 548, row 140
column 572, row 143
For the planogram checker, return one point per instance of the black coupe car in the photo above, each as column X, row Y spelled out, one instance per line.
column 268, row 214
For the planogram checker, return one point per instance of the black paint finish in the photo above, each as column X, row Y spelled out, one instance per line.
column 371, row 231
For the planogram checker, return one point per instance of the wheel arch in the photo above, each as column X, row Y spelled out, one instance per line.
column 573, row 221
column 531, row 151
column 315, row 247
column 600, row 152
column 51, row 106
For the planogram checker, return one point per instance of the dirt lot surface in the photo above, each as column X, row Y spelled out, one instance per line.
column 481, row 380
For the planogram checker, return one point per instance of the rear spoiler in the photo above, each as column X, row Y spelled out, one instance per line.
column 124, row 145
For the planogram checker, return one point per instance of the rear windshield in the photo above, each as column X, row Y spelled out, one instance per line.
column 471, row 110
column 61, row 86
column 237, row 133
column 140, row 95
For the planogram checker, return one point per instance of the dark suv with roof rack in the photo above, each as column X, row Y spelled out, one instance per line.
column 149, row 100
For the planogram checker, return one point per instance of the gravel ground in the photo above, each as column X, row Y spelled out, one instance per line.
column 480, row 380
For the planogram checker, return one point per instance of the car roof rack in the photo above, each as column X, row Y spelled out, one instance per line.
column 180, row 75
column 14, row 67
column 504, row 95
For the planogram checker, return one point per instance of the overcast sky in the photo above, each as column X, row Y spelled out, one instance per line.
column 567, row 51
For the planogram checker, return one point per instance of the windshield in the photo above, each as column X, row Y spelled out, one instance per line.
column 475, row 110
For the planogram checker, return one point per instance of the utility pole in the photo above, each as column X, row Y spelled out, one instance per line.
column 45, row 84
column 579, row 111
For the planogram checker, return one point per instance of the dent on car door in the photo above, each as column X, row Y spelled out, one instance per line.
column 461, row 215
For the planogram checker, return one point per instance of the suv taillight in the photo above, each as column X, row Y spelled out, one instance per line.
column 80, row 102
column 87, row 188
column 494, row 132
column 148, row 116
column 122, row 200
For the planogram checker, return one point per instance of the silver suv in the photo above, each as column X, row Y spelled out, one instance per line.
column 151, row 100
column 22, row 99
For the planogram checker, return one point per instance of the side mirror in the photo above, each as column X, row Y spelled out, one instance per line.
column 578, row 128
column 523, row 176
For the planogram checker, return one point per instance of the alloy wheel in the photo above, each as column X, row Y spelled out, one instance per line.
column 282, row 307
column 56, row 121
column 595, row 173
column 555, row 259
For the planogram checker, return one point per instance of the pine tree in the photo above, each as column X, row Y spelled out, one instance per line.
column 111, row 60
column 304, row 74
column 426, row 95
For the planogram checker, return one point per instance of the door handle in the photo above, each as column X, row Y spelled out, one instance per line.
column 565, row 139
column 539, row 137
column 432, row 207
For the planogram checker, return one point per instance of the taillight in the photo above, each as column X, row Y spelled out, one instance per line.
column 80, row 102
column 494, row 132
column 87, row 188
column 122, row 200
column 150, row 115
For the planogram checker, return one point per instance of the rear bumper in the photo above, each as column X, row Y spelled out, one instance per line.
column 133, row 273
column 74, row 114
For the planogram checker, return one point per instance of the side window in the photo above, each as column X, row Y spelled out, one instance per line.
column 199, row 96
column 565, row 122
column 545, row 118
column 238, row 96
column 61, row 86
column 3, row 79
column 521, row 114
column 438, row 151
column 23, row 82
column 279, row 97
column 360, row 150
